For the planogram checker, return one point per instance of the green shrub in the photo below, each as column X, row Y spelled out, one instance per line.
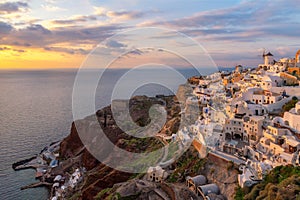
column 239, row 194
column 101, row 194
column 289, row 105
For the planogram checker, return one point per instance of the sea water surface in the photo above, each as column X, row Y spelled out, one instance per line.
column 36, row 109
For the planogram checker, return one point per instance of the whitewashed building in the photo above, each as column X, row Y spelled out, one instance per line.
column 279, row 145
column 265, row 97
column 156, row 174
column 292, row 118
column 253, row 128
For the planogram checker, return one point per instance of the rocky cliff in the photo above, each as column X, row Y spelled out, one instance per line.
column 98, row 177
column 103, row 182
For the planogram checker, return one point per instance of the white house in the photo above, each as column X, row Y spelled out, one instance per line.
column 156, row 174
column 256, row 109
column 279, row 145
column 245, row 180
column 253, row 128
column 253, row 172
column 233, row 128
column 265, row 97
column 212, row 115
column 269, row 81
column 292, row 118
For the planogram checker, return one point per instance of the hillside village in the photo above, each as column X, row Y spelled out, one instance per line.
column 250, row 116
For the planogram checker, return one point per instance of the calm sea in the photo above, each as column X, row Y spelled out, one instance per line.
column 35, row 110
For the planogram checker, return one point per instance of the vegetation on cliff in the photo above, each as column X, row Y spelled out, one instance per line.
column 289, row 105
column 188, row 164
column 283, row 182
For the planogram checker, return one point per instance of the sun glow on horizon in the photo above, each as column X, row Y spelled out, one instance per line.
column 36, row 58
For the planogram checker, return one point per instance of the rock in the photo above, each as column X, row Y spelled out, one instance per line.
column 98, row 177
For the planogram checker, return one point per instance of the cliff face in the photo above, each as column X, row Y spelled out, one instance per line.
column 99, row 176
column 223, row 173
column 72, row 147
column 71, row 144
column 101, row 180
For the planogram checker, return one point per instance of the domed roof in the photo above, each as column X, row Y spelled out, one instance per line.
column 210, row 188
column 198, row 180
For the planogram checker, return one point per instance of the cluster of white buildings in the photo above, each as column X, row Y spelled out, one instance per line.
column 242, row 116
column 64, row 184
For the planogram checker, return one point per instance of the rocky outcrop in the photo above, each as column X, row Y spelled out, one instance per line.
column 223, row 173
column 99, row 176
column 142, row 189
column 72, row 146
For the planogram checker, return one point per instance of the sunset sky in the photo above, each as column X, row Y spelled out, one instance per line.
column 61, row 33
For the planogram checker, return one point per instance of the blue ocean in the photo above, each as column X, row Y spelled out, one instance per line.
column 36, row 109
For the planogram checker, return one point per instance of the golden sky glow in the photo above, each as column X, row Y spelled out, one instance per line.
column 60, row 34
column 38, row 59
